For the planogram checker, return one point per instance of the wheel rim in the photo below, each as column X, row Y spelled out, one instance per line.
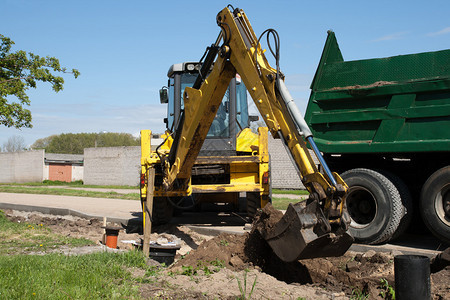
column 442, row 204
column 361, row 206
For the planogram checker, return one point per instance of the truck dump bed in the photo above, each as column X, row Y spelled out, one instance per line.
column 384, row 105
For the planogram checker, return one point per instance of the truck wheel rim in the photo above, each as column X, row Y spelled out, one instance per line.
column 361, row 205
column 442, row 204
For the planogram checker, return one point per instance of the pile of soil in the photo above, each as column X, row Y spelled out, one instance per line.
column 214, row 267
column 353, row 271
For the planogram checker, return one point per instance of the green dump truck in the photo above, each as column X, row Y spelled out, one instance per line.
column 384, row 125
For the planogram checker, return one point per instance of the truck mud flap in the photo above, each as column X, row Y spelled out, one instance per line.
column 303, row 232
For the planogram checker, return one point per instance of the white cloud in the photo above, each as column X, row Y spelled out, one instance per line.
column 391, row 37
column 446, row 30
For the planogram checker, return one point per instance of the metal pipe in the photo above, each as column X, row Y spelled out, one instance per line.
column 321, row 160
column 293, row 109
column 304, row 128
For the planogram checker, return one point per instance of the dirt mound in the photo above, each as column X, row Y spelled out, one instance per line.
column 239, row 252
column 225, row 248
column 370, row 273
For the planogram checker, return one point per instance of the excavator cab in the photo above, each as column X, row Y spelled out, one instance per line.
column 232, row 113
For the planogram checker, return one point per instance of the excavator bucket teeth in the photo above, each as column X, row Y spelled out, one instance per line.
column 303, row 232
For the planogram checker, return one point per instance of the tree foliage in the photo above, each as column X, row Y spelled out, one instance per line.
column 15, row 143
column 42, row 143
column 74, row 143
column 20, row 71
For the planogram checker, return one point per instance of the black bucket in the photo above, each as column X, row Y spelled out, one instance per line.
column 163, row 254
column 412, row 277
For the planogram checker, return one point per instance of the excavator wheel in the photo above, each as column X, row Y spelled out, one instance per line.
column 162, row 211
column 253, row 204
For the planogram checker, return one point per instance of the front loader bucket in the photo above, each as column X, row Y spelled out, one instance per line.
column 303, row 232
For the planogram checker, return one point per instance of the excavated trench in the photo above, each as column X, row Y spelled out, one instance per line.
column 361, row 271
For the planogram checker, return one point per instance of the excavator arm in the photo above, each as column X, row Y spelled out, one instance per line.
column 315, row 230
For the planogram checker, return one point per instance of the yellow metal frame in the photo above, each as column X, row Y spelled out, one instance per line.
column 248, row 59
column 246, row 171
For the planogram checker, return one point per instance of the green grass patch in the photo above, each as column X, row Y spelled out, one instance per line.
column 282, row 203
column 78, row 183
column 54, row 276
column 102, row 275
column 290, row 192
column 57, row 182
column 67, row 192
column 18, row 238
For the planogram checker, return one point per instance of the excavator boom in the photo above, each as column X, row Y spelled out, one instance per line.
column 316, row 229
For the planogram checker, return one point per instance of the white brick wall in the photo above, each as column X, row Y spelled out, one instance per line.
column 25, row 166
column 284, row 175
column 121, row 166
column 112, row 165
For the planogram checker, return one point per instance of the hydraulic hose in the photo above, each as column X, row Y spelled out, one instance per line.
column 304, row 128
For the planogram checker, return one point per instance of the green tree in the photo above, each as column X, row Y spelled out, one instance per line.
column 42, row 143
column 74, row 143
column 20, row 71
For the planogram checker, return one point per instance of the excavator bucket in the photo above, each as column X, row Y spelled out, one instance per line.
column 303, row 232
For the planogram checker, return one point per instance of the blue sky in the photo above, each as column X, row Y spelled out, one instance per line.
column 123, row 49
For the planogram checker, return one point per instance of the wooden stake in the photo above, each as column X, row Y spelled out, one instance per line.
column 104, row 232
column 148, row 211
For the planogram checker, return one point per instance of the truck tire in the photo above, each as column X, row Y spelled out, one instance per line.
column 374, row 205
column 162, row 211
column 407, row 203
column 435, row 203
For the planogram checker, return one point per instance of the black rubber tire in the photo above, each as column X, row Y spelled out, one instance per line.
column 253, row 203
column 374, row 205
column 407, row 203
column 435, row 204
column 162, row 211
column 254, row 199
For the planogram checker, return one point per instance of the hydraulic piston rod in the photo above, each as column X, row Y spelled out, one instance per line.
column 304, row 128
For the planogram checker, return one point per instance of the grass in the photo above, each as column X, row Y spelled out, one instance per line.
column 78, row 183
column 290, row 192
column 67, row 192
column 208, row 268
column 243, row 287
column 358, row 294
column 25, row 238
column 387, row 290
column 102, row 275
column 53, row 276
column 282, row 203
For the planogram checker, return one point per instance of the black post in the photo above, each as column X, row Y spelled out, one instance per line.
column 412, row 277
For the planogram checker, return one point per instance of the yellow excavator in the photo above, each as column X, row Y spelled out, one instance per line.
column 318, row 228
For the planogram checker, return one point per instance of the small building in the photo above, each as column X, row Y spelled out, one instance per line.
column 63, row 167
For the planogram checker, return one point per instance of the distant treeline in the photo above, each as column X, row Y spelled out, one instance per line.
column 74, row 143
